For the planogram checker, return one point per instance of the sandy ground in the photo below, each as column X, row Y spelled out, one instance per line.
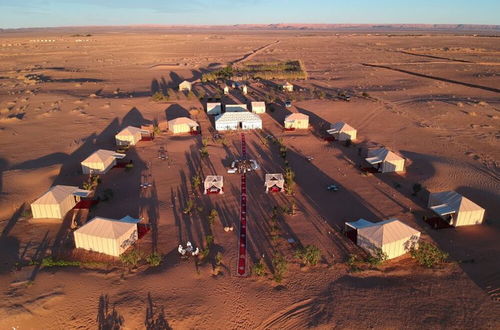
column 434, row 99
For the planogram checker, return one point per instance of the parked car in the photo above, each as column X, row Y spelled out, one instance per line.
column 332, row 187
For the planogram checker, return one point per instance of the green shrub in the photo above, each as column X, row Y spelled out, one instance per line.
column 131, row 258
column 280, row 267
column 428, row 255
column 218, row 258
column 50, row 262
column 196, row 181
column 378, row 258
column 353, row 263
column 189, row 207
column 159, row 96
column 259, row 269
column 209, row 239
column 204, row 152
column 212, row 216
column 308, row 255
column 154, row 259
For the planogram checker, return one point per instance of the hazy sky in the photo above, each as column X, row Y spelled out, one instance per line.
column 38, row 13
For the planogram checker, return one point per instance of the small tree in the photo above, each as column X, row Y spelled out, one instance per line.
column 204, row 152
column 205, row 141
column 218, row 259
column 428, row 255
column 280, row 267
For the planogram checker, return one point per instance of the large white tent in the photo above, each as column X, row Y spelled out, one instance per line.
column 297, row 121
column 258, row 107
column 214, row 108
column 287, row 87
column 130, row 135
column 56, row 202
column 385, row 160
column 391, row 236
column 274, row 182
column 182, row 125
column 456, row 209
column 214, row 184
column 237, row 120
column 100, row 162
column 342, row 131
column 185, row 86
column 108, row 236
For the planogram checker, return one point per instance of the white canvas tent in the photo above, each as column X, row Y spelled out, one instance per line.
column 100, row 162
column 130, row 135
column 214, row 184
column 274, row 182
column 108, row 236
column 56, row 202
column 455, row 208
column 342, row 131
column 297, row 121
column 185, row 86
column 182, row 125
column 214, row 108
column 258, row 107
column 391, row 236
column 287, row 87
column 236, row 108
column 226, row 90
column 385, row 160
column 237, row 120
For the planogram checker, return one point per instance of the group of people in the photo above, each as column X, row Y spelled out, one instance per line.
column 189, row 249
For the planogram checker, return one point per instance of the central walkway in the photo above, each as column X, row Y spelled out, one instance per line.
column 242, row 255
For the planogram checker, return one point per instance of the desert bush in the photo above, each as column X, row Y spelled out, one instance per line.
column 131, row 258
column 308, row 255
column 353, row 263
column 92, row 182
column 218, row 258
column 204, row 253
column 204, row 152
column 205, row 141
column 189, row 207
column 280, row 267
column 154, row 259
column 196, row 181
column 377, row 259
column 259, row 269
column 159, row 96
column 209, row 239
column 428, row 255
column 50, row 262
column 212, row 216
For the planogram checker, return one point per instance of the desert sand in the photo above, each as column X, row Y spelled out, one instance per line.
column 434, row 98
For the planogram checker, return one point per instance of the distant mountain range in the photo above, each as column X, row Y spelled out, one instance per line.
column 276, row 27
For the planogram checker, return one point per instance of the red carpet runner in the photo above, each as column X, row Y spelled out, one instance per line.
column 242, row 255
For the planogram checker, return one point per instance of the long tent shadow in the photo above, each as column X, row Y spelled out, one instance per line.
column 175, row 111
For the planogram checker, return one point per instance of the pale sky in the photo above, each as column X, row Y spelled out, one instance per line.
column 45, row 13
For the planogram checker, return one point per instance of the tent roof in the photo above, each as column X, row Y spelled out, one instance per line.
column 443, row 209
column 258, row 104
column 454, row 201
column 58, row 193
column 214, row 181
column 340, row 127
column 130, row 130
column 361, row 223
column 296, row 116
column 274, row 177
column 184, row 82
column 386, row 232
column 105, row 228
column 102, row 155
column 182, row 121
column 236, row 107
column 129, row 219
column 287, row 84
column 237, row 117
column 381, row 155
